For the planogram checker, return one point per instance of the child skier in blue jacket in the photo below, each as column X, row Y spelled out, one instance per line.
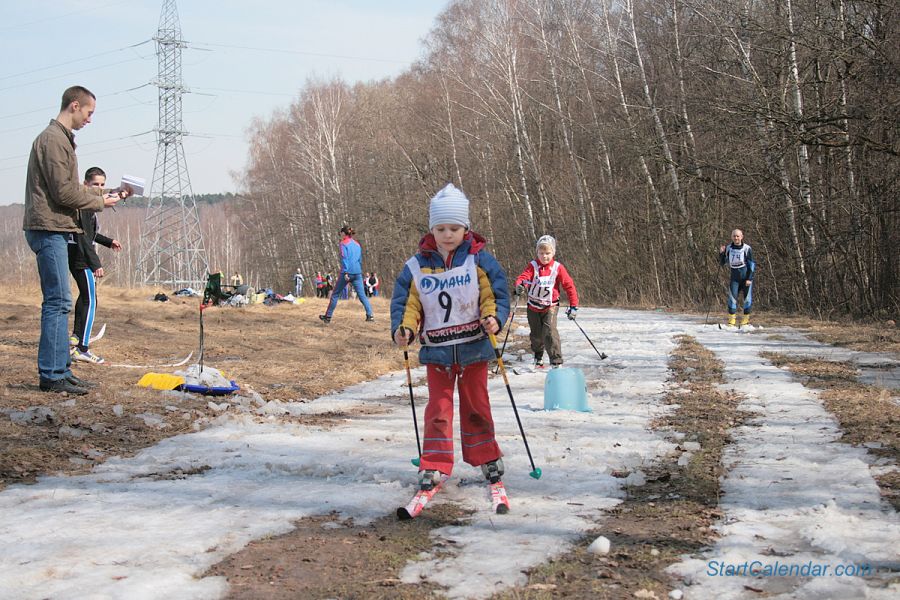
column 449, row 295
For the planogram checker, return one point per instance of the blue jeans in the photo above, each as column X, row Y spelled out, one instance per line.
column 356, row 282
column 735, row 288
column 52, row 253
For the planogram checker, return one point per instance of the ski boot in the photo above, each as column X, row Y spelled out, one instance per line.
column 732, row 320
column 428, row 479
column 539, row 361
column 745, row 319
column 492, row 472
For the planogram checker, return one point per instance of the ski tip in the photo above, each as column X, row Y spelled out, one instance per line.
column 536, row 474
column 403, row 514
column 416, row 462
column 502, row 509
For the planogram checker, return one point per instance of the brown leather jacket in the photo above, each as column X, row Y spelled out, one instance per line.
column 53, row 190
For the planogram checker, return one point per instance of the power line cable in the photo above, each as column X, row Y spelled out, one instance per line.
column 56, row 106
column 74, row 60
column 87, row 145
column 21, row 85
column 62, row 16
column 301, row 52
column 44, row 123
column 232, row 91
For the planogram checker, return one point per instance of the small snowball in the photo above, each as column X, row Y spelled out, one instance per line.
column 599, row 546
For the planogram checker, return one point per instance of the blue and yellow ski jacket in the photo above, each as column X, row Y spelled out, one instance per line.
column 406, row 308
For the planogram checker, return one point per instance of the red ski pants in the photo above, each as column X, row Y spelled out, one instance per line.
column 475, row 422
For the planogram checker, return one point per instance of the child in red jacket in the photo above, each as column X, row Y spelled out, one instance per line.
column 542, row 279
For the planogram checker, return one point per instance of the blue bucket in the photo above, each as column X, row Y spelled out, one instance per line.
column 565, row 389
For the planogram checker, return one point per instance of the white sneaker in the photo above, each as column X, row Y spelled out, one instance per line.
column 87, row 356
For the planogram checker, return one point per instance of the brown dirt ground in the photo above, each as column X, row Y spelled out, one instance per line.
column 868, row 415
column 671, row 514
column 314, row 562
column 285, row 353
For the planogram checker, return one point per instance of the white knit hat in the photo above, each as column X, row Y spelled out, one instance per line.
column 548, row 240
column 449, row 206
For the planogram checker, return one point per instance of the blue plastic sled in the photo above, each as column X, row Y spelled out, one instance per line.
column 565, row 389
column 211, row 391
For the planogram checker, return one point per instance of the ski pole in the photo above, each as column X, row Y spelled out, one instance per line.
column 602, row 355
column 509, row 321
column 202, row 345
column 535, row 471
column 416, row 461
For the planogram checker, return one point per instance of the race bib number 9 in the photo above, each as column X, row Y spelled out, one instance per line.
column 450, row 303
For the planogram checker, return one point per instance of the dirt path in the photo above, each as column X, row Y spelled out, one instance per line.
column 794, row 494
column 275, row 495
column 282, row 352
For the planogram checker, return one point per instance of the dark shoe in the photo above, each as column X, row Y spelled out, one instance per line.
column 428, row 479
column 79, row 382
column 370, row 317
column 325, row 318
column 61, row 386
column 493, row 470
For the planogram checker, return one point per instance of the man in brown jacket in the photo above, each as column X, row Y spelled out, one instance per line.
column 53, row 196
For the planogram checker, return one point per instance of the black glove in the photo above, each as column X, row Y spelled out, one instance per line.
column 520, row 290
column 570, row 312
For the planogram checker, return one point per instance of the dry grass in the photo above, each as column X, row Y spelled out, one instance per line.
column 883, row 336
column 671, row 514
column 283, row 351
column 868, row 415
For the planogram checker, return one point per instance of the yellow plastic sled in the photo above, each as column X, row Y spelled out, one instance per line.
column 161, row 381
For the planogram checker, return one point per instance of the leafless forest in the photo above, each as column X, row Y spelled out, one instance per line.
column 638, row 132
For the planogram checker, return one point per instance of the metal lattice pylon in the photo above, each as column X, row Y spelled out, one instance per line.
column 172, row 252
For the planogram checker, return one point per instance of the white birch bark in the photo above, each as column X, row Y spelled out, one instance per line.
column 660, row 130
column 804, row 188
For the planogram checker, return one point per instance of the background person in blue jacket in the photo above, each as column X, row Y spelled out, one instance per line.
column 739, row 257
column 351, row 273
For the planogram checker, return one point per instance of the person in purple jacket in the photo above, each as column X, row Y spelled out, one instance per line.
column 351, row 273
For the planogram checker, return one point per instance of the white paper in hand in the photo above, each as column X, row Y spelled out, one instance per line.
column 136, row 184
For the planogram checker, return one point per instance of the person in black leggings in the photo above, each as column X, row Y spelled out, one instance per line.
column 84, row 264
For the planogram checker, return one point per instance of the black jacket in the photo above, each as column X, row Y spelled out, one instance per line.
column 82, row 254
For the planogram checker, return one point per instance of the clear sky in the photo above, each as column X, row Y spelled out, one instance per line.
column 48, row 45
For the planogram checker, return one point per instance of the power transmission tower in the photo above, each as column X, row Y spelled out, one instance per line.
column 172, row 252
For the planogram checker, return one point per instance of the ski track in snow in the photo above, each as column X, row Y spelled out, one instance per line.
column 793, row 493
column 136, row 528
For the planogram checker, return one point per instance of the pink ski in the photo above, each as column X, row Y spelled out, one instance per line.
column 417, row 504
column 499, row 499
